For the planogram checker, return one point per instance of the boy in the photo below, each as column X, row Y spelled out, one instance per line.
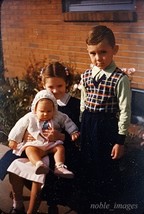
column 105, row 103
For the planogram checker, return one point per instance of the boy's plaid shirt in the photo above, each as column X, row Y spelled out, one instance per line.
column 101, row 96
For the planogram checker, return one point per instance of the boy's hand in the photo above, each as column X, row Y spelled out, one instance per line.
column 12, row 144
column 75, row 136
column 117, row 151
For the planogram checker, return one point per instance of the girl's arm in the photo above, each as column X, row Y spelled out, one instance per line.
column 12, row 144
column 50, row 134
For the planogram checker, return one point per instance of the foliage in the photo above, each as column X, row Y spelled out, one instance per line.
column 75, row 90
column 16, row 95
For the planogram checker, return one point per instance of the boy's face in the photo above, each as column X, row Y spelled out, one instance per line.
column 44, row 110
column 57, row 86
column 101, row 54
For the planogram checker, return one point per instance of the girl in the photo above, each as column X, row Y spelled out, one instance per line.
column 58, row 79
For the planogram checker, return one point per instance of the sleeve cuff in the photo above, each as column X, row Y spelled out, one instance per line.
column 121, row 139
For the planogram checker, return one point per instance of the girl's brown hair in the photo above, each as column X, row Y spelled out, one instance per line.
column 57, row 69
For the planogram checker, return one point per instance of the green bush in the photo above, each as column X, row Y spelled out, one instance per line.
column 17, row 94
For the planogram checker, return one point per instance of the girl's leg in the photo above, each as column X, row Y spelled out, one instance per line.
column 17, row 193
column 35, row 198
column 35, row 155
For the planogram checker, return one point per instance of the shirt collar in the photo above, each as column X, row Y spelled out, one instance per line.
column 108, row 70
column 64, row 100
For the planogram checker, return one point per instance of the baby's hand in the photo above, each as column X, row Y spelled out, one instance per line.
column 75, row 136
column 13, row 144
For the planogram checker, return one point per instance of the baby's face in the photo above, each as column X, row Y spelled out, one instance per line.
column 44, row 110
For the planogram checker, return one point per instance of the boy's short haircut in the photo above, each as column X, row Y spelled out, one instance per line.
column 99, row 33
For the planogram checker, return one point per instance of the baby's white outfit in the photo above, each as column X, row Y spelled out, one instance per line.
column 30, row 123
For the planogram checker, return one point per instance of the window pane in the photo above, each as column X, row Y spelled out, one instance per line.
column 98, row 5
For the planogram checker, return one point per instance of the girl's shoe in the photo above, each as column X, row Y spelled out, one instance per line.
column 63, row 172
column 41, row 168
column 53, row 210
column 17, row 211
column 1, row 212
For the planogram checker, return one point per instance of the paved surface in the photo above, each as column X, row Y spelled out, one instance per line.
column 6, row 202
column 131, row 200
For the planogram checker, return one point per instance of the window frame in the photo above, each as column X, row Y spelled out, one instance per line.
column 104, row 13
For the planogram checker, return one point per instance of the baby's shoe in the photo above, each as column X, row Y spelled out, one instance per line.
column 41, row 168
column 62, row 171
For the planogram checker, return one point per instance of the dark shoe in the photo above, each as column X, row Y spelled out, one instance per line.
column 41, row 168
column 1, row 212
column 53, row 210
column 16, row 211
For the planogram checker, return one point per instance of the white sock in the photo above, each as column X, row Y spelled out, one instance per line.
column 39, row 163
column 17, row 204
column 58, row 164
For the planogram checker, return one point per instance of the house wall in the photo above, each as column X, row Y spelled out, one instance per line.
column 37, row 28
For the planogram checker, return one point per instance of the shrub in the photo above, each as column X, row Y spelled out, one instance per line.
column 17, row 94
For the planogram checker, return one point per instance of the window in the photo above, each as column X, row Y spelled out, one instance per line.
column 99, row 10
column 98, row 5
column 137, row 106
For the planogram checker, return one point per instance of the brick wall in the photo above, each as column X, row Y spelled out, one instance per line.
column 37, row 27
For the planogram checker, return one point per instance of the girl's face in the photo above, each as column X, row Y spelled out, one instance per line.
column 44, row 110
column 57, row 86
column 101, row 54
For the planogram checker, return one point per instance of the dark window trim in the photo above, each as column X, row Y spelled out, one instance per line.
column 123, row 16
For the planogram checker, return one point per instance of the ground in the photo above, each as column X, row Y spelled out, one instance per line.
column 131, row 200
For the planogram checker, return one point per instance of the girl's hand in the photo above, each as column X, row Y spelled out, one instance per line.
column 28, row 137
column 13, row 144
column 50, row 134
column 117, row 151
column 75, row 136
column 54, row 135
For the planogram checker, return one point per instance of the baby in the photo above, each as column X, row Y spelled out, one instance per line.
column 44, row 115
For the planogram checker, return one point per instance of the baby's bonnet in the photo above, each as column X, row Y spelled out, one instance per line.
column 44, row 94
